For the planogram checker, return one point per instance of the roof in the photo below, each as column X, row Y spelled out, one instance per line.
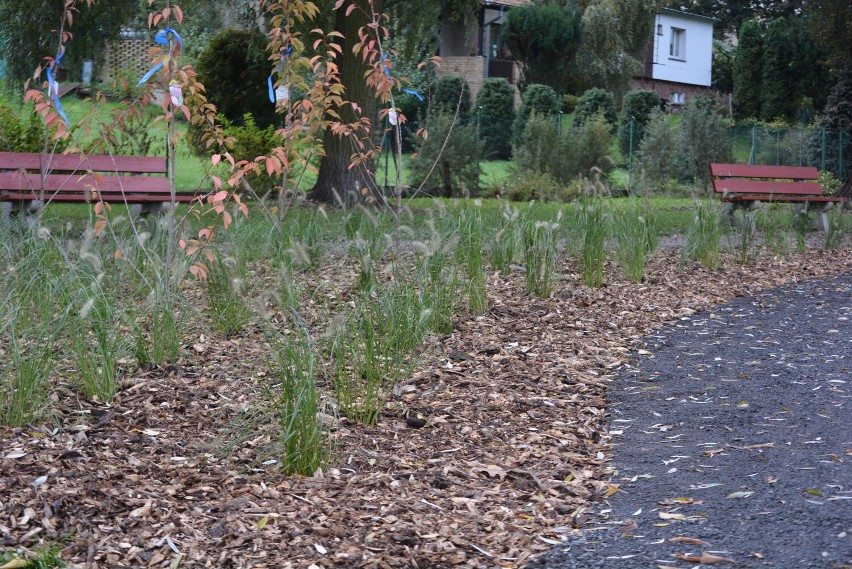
column 675, row 12
column 507, row 3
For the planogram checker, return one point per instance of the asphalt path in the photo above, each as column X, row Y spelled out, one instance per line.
column 732, row 441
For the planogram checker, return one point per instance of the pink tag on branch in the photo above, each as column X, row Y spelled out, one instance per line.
column 176, row 93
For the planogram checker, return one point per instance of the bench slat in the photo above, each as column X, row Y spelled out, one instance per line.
column 767, row 187
column 112, row 198
column 73, row 183
column 781, row 198
column 74, row 163
column 751, row 171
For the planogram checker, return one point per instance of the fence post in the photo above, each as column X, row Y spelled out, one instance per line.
column 752, row 157
column 841, row 165
column 559, row 123
column 822, row 138
column 778, row 147
column 478, row 124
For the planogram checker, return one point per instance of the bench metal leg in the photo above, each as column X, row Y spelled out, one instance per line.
column 820, row 221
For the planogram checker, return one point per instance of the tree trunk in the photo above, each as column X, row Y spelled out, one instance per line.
column 335, row 175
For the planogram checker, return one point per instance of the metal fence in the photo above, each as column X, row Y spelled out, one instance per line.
column 828, row 150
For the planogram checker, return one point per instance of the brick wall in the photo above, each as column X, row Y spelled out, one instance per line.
column 665, row 89
column 472, row 68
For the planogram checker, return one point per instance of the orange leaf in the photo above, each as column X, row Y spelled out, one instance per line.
column 705, row 558
column 689, row 540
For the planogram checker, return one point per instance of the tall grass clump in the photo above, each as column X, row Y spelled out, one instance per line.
column 507, row 242
column 438, row 279
column 368, row 356
column 592, row 227
column 838, row 229
column 801, row 225
column 98, row 343
column 704, row 235
column 636, row 236
column 469, row 252
column 296, row 403
column 24, row 379
column 745, row 222
column 227, row 306
column 156, row 333
column 776, row 236
column 539, row 255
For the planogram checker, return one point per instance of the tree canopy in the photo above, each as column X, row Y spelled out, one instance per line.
column 544, row 39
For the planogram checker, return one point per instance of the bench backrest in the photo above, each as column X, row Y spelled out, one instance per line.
column 70, row 163
column 747, row 179
column 767, row 172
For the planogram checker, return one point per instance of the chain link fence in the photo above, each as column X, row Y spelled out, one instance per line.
column 497, row 143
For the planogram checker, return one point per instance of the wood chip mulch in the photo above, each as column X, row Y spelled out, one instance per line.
column 485, row 457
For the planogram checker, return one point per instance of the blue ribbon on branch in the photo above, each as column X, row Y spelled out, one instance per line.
column 162, row 37
column 53, row 87
column 278, row 68
column 388, row 73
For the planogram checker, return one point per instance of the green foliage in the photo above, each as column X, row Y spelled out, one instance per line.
column 704, row 235
column 593, row 102
column 41, row 557
column 835, row 132
column 748, row 70
column 539, row 255
column 705, row 138
column 592, row 224
column 569, row 103
column 791, row 70
column 234, row 67
column 659, row 160
column 636, row 235
column 636, row 113
column 296, row 401
column 469, row 252
column 29, row 32
column 496, row 105
column 225, row 301
column 22, row 129
column 615, row 37
column 547, row 162
column 540, row 99
column 450, row 94
column 544, row 39
column 457, row 170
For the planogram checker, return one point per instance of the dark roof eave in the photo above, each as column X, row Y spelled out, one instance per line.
column 688, row 14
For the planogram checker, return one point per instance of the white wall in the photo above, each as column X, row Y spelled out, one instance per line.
column 696, row 67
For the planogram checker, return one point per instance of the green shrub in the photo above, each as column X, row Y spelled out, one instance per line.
column 569, row 103
column 449, row 94
column 22, row 130
column 548, row 162
column 458, row 170
column 587, row 148
column 659, row 158
column 234, row 67
column 496, row 105
column 538, row 150
column 705, row 138
column 593, row 102
column 636, row 111
column 539, row 99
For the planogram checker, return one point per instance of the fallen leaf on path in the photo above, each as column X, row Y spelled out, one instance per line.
column 668, row 516
column 705, row 558
column 689, row 540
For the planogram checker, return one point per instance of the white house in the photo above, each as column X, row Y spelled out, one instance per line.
column 679, row 61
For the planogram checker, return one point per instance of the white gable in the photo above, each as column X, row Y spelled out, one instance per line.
column 683, row 48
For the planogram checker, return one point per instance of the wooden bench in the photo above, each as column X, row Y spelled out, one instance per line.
column 28, row 181
column 745, row 185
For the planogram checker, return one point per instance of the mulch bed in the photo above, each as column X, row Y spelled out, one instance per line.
column 515, row 442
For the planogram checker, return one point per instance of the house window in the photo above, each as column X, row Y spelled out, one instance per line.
column 677, row 47
column 659, row 29
column 677, row 98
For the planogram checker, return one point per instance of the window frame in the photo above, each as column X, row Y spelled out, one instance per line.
column 677, row 44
